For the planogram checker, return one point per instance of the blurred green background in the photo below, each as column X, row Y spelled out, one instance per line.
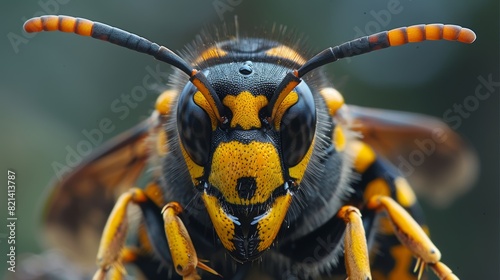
column 54, row 86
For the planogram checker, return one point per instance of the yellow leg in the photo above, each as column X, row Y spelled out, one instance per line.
column 181, row 248
column 127, row 255
column 411, row 235
column 443, row 271
column 114, row 234
column 356, row 250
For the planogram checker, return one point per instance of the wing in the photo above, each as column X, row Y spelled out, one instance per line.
column 437, row 162
column 79, row 204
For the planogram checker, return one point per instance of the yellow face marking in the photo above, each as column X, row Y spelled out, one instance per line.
column 286, row 53
column 364, row 156
column 297, row 171
column 333, row 99
column 222, row 224
column 339, row 138
column 213, row 52
column 282, row 95
column 269, row 226
column 245, row 108
column 201, row 101
column 288, row 102
column 234, row 160
column 404, row 193
column 194, row 169
column 205, row 91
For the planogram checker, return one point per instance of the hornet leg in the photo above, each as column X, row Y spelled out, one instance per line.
column 356, row 250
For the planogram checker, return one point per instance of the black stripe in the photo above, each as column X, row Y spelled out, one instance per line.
column 59, row 23
column 77, row 23
column 44, row 22
column 381, row 42
column 405, row 34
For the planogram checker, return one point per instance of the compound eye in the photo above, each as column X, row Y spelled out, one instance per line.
column 194, row 125
column 298, row 126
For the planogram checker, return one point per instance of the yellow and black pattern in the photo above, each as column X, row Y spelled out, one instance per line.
column 247, row 173
column 254, row 156
column 390, row 259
